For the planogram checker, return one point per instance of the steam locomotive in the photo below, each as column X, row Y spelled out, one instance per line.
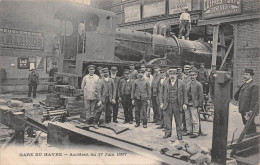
column 89, row 36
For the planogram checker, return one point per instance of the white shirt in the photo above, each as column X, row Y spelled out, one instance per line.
column 149, row 79
column 248, row 81
column 162, row 80
column 106, row 78
column 185, row 16
column 89, row 84
column 173, row 82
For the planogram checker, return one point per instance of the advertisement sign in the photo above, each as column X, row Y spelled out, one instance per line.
column 10, row 38
column 178, row 6
column 132, row 13
column 218, row 8
column 154, row 9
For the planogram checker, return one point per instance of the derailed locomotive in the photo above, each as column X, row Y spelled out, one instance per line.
column 89, row 36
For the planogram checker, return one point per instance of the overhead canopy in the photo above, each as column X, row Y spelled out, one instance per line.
column 68, row 11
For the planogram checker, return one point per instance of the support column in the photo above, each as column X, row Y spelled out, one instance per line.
column 220, row 123
column 215, row 45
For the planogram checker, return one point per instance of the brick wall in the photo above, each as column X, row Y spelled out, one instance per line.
column 248, row 50
column 250, row 6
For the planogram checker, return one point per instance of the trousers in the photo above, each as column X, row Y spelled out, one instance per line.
column 89, row 109
column 32, row 88
column 106, row 107
column 252, row 127
column 127, row 105
column 192, row 120
column 156, row 115
column 115, row 110
column 173, row 109
column 140, row 107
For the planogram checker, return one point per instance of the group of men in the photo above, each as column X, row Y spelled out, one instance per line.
column 169, row 91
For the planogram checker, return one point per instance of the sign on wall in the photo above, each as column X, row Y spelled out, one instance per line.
column 178, row 6
column 10, row 38
column 132, row 13
column 214, row 8
column 154, row 9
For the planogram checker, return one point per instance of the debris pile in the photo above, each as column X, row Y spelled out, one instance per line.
column 188, row 152
column 74, row 105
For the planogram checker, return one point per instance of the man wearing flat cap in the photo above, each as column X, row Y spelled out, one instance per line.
column 89, row 85
column 172, row 102
column 194, row 92
column 155, row 91
column 140, row 94
column 113, row 72
column 125, row 96
column 248, row 99
column 100, row 72
column 106, row 94
column 133, row 72
column 179, row 73
column 148, row 76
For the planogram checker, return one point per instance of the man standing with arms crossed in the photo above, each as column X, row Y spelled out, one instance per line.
column 89, row 85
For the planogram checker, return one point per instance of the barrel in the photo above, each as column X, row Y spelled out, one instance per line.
column 53, row 100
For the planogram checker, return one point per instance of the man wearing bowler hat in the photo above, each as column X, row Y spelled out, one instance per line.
column 33, row 81
column 106, row 94
column 140, row 94
column 172, row 102
column 155, row 91
column 248, row 98
column 194, row 92
column 113, row 72
column 89, row 85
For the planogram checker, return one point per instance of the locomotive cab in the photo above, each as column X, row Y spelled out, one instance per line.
column 86, row 34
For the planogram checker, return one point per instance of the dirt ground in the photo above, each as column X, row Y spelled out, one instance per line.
column 150, row 137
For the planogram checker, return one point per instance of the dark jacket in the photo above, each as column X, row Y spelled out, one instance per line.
column 122, row 86
column 102, row 87
column 196, row 93
column 141, row 90
column 154, row 85
column 164, row 93
column 33, row 78
column 248, row 97
column 117, row 81
column 202, row 75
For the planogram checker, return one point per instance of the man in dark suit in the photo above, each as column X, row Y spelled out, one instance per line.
column 113, row 72
column 141, row 94
column 106, row 94
column 124, row 94
column 33, row 82
column 155, row 91
column 248, row 96
column 194, row 92
column 172, row 98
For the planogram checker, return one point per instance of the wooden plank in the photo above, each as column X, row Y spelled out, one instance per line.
column 222, row 42
column 248, row 123
column 62, row 135
column 215, row 45
column 220, row 122
column 229, row 48
column 245, row 143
